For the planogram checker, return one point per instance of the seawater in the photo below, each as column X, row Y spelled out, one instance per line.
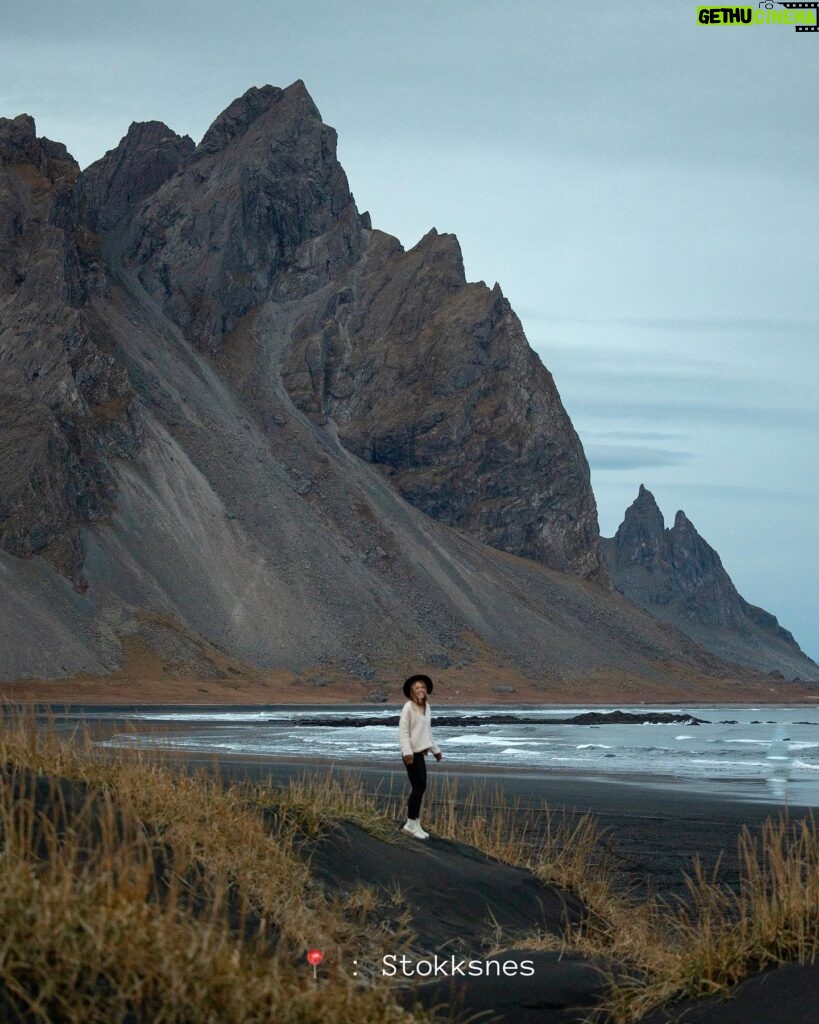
column 759, row 752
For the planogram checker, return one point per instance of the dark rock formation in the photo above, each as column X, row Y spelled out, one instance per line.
column 418, row 372
column 432, row 380
column 460, row 876
column 260, row 209
column 471, row 721
column 281, row 377
column 66, row 407
column 115, row 185
column 675, row 575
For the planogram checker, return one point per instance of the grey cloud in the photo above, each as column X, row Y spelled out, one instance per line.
column 744, row 492
column 676, row 378
column 691, row 412
column 632, row 435
column 630, row 457
column 721, row 324
column 688, row 324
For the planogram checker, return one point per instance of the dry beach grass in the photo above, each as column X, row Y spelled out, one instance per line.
column 141, row 894
column 131, row 890
column 722, row 936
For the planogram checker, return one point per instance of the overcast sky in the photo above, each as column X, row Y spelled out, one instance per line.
column 643, row 188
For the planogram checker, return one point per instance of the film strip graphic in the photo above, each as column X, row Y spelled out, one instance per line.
column 800, row 7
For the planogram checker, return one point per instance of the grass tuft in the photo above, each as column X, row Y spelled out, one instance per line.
column 719, row 936
column 131, row 891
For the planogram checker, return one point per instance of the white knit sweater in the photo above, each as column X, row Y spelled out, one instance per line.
column 414, row 730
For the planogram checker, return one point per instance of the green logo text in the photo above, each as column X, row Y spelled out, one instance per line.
column 797, row 14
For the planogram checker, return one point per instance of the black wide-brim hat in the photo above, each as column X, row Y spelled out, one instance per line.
column 414, row 679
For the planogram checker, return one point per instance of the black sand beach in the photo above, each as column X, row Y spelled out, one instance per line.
column 655, row 831
column 655, row 828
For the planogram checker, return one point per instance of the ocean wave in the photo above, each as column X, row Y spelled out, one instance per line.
column 481, row 739
column 201, row 716
column 730, row 764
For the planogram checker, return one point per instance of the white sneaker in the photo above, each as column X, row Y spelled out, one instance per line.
column 414, row 829
column 421, row 832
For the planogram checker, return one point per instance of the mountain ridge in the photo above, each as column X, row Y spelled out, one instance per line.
column 318, row 452
column 676, row 575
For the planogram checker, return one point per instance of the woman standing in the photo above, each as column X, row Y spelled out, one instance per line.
column 415, row 734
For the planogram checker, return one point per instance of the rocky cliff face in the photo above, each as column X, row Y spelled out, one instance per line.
column 114, row 186
column 66, row 408
column 420, row 373
column 677, row 576
column 432, row 380
column 242, row 422
column 260, row 210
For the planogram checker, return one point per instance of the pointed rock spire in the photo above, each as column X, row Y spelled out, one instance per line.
column 293, row 103
column 113, row 187
column 19, row 145
column 639, row 539
column 677, row 576
column 249, row 207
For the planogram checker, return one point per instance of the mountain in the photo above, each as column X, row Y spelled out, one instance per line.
column 67, row 410
column 677, row 576
column 425, row 376
column 243, row 432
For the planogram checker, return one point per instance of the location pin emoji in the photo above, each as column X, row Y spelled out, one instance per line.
column 314, row 957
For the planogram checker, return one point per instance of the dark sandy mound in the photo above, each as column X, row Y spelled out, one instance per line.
column 784, row 995
column 560, row 989
column 458, row 898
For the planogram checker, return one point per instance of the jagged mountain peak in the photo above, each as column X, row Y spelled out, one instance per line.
column 682, row 522
column 241, row 220
column 645, row 506
column 645, row 501
column 261, row 216
column 288, row 106
column 17, row 133
column 676, row 575
column 19, row 144
column 146, row 157
column 440, row 241
column 66, row 410
column 307, row 410
column 156, row 131
column 140, row 136
column 442, row 251
column 639, row 538
column 693, row 557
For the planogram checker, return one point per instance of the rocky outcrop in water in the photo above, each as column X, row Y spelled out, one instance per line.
column 474, row 721
column 677, row 576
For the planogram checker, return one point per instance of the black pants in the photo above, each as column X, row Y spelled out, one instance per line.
column 417, row 772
